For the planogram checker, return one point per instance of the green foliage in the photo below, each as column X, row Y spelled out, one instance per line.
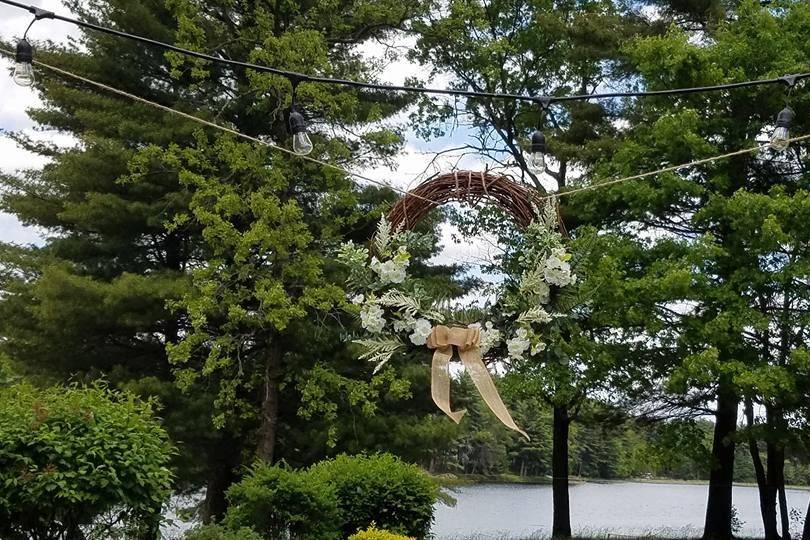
column 379, row 489
column 218, row 532
column 276, row 501
column 70, row 455
column 373, row 533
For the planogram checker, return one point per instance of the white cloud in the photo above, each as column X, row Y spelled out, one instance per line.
column 14, row 232
column 478, row 250
column 397, row 68
column 16, row 100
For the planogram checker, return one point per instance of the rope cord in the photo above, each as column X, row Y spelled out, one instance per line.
column 703, row 161
column 210, row 124
column 595, row 185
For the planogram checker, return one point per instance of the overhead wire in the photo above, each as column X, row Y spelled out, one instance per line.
column 595, row 185
column 297, row 77
column 210, row 124
column 673, row 168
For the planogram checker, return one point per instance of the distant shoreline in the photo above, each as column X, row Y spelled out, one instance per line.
column 450, row 480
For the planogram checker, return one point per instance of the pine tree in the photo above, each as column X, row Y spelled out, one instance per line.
column 92, row 301
column 137, row 230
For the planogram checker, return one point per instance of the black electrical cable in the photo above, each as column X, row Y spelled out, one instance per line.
column 295, row 77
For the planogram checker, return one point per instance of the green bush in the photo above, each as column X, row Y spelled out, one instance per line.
column 372, row 533
column 217, row 532
column 281, row 503
column 71, row 457
column 379, row 489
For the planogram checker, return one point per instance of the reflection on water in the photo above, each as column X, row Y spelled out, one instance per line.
column 519, row 511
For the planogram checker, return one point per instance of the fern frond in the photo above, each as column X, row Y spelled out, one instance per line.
column 402, row 302
column 547, row 215
column 534, row 315
column 382, row 238
column 379, row 351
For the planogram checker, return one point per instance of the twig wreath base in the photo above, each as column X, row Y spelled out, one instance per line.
column 396, row 311
column 518, row 200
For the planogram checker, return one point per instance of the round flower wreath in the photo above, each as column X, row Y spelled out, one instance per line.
column 395, row 309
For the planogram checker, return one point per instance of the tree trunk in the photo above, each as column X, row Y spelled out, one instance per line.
column 806, row 531
column 783, row 511
column 767, row 511
column 719, row 508
column 269, row 426
column 561, row 525
column 772, row 488
column 223, row 462
column 776, row 468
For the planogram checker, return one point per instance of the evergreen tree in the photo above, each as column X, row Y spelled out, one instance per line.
column 133, row 224
column 256, row 317
column 92, row 301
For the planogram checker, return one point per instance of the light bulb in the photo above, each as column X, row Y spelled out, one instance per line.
column 781, row 135
column 779, row 139
column 302, row 145
column 537, row 160
column 23, row 70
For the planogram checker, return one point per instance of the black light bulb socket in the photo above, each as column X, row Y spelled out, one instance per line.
column 785, row 117
column 25, row 52
column 297, row 122
column 538, row 142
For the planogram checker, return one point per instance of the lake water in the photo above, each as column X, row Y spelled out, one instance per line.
column 512, row 511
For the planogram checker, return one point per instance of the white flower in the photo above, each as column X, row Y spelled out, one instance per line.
column 540, row 347
column 490, row 336
column 558, row 272
column 518, row 344
column 404, row 324
column 359, row 299
column 392, row 271
column 371, row 318
column 421, row 330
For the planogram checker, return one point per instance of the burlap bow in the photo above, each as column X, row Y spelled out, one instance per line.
column 466, row 340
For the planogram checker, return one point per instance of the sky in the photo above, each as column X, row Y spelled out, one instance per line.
column 410, row 167
column 14, row 103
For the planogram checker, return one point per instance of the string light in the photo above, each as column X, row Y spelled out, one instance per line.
column 780, row 139
column 23, row 64
column 302, row 77
column 302, row 145
column 537, row 160
column 597, row 184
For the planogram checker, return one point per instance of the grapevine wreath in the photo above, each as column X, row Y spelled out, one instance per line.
column 397, row 313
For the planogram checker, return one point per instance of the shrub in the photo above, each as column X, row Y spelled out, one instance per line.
column 379, row 489
column 372, row 533
column 71, row 457
column 281, row 503
column 216, row 532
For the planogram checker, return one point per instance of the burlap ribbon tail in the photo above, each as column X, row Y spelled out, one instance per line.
column 466, row 340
